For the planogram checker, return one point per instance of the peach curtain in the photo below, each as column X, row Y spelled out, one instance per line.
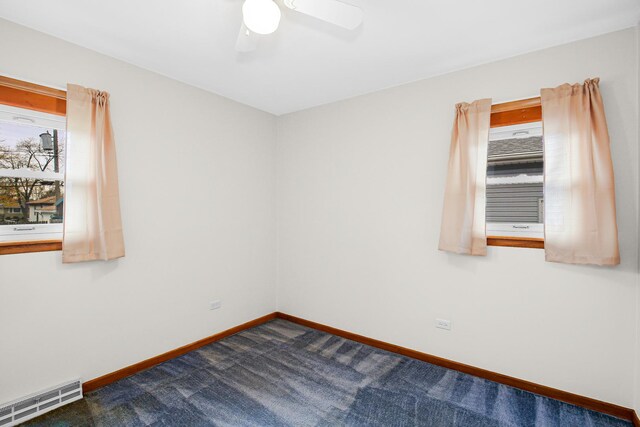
column 92, row 223
column 462, row 228
column 579, row 190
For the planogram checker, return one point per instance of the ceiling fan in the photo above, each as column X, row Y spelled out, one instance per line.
column 261, row 17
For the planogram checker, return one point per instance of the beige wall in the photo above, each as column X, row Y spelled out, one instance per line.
column 177, row 146
column 360, row 187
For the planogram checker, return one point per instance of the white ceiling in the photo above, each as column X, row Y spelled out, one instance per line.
column 308, row 62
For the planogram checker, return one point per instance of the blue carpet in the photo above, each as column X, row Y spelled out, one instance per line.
column 283, row 374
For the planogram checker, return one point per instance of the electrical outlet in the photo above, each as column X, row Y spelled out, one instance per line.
column 443, row 324
column 214, row 305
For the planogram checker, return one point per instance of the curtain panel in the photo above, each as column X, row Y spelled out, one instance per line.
column 463, row 228
column 579, row 189
column 92, row 223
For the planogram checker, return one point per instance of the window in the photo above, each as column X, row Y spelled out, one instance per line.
column 31, row 175
column 32, row 147
column 515, row 170
column 514, row 182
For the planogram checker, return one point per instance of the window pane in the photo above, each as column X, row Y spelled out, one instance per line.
column 31, row 172
column 515, row 194
column 45, row 201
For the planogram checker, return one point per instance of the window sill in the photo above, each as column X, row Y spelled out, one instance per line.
column 7, row 248
column 515, row 242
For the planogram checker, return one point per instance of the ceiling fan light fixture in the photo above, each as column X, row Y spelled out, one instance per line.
column 261, row 16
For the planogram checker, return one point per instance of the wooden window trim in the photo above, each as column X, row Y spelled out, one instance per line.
column 17, row 93
column 515, row 242
column 508, row 114
column 9, row 248
column 516, row 112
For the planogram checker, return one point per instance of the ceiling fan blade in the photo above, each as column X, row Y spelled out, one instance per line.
column 336, row 12
column 247, row 41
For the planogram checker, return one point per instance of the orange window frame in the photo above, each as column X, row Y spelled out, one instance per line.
column 507, row 114
column 17, row 93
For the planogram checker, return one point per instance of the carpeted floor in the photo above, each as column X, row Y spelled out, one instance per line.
column 283, row 374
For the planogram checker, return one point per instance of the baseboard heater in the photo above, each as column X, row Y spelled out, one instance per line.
column 34, row 405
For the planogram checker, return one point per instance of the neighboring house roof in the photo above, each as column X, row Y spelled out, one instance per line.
column 46, row 201
column 515, row 147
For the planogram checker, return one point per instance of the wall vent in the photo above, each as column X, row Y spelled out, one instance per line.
column 34, row 405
